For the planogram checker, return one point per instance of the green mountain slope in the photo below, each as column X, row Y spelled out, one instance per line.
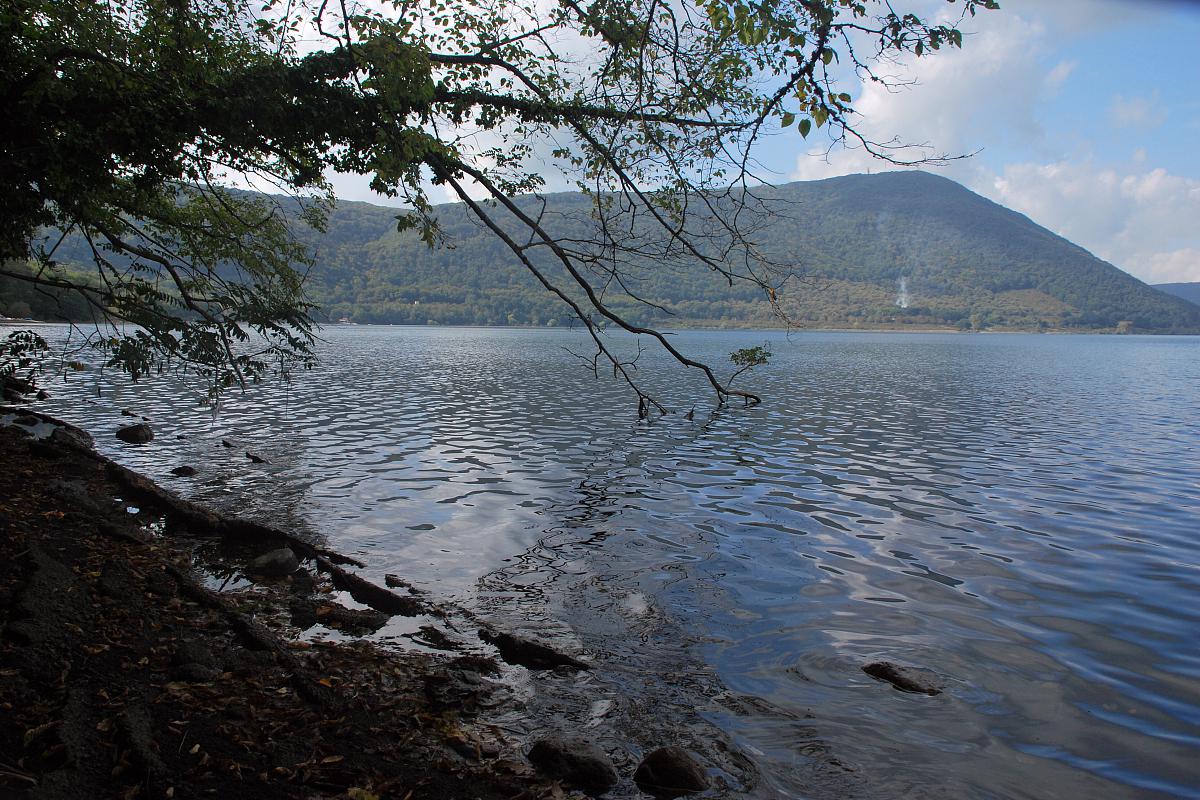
column 1188, row 291
column 897, row 249
column 963, row 260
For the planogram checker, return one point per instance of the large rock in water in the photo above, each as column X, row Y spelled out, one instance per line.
column 670, row 772
column 135, row 434
column 575, row 760
column 528, row 653
column 905, row 679
column 275, row 564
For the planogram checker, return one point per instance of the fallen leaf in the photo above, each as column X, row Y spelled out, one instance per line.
column 34, row 733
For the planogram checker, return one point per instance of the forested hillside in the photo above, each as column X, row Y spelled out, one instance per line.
column 1188, row 291
column 867, row 245
column 897, row 249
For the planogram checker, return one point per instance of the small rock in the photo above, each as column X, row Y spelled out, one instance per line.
column 357, row 622
column 43, row 394
column 393, row 581
column 226, row 443
column 528, row 653
column 575, row 760
column 27, row 419
column 135, row 434
column 15, row 389
column 902, row 678
column 430, row 636
column 255, row 459
column 72, row 438
column 125, row 412
column 184, row 471
column 670, row 772
column 275, row 564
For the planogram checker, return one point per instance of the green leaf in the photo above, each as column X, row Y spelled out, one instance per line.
column 787, row 119
column 805, row 127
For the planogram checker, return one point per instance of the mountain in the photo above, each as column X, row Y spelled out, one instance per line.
column 868, row 245
column 1188, row 291
column 896, row 249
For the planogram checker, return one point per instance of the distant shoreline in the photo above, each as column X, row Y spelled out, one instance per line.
column 15, row 322
column 780, row 329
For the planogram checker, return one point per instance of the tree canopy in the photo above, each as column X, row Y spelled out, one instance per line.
column 129, row 122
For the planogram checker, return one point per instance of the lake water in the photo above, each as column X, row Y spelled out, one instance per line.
column 1017, row 513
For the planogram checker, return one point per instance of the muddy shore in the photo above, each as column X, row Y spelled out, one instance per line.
column 125, row 673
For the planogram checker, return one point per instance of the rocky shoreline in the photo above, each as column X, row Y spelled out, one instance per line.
column 125, row 673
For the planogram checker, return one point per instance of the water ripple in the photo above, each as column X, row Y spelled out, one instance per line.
column 1016, row 513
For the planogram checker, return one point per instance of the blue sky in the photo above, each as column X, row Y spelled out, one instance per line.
column 1085, row 113
column 1087, row 116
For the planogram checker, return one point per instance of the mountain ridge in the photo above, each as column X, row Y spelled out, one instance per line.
column 1189, row 291
column 894, row 250
column 968, row 262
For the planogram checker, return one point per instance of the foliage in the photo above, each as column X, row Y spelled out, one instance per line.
column 750, row 357
column 651, row 109
column 747, row 358
column 21, row 357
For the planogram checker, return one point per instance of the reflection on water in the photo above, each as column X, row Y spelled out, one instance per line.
column 1016, row 513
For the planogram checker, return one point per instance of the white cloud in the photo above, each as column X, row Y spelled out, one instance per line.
column 986, row 92
column 1180, row 266
column 1058, row 76
column 1142, row 220
column 1142, row 113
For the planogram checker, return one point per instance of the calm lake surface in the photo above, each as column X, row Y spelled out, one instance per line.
column 1019, row 514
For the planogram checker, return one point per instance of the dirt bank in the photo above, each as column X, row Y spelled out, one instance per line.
column 122, row 674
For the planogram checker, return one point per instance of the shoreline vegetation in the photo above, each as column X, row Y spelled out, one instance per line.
column 147, row 653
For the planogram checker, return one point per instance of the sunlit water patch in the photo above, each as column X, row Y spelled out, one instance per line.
column 1017, row 514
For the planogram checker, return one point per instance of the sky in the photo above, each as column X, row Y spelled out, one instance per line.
column 1082, row 114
